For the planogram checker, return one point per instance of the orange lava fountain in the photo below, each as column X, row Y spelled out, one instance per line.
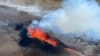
column 40, row 35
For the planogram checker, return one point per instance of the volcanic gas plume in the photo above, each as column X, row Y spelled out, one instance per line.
column 75, row 18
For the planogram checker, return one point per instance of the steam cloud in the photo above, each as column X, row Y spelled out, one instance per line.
column 77, row 18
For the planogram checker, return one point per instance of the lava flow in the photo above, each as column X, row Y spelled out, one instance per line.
column 72, row 51
column 40, row 35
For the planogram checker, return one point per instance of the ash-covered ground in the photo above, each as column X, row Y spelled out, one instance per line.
column 14, row 42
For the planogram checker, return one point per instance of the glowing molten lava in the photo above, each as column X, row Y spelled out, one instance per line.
column 40, row 35
column 74, row 52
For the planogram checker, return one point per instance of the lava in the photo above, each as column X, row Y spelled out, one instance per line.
column 72, row 51
column 40, row 35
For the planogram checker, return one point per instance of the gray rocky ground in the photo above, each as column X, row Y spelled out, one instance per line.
column 10, row 37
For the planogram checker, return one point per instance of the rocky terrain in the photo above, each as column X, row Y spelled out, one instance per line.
column 13, row 39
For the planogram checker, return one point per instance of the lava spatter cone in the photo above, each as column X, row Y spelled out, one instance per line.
column 40, row 35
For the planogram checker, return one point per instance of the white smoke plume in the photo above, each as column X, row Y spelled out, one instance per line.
column 77, row 18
